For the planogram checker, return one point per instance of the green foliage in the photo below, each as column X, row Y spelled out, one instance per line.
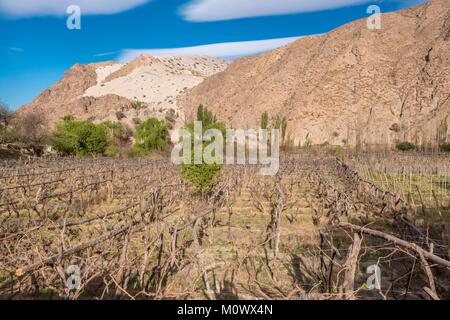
column 395, row 127
column 4, row 114
column 152, row 134
column 5, row 135
column 202, row 176
column 117, row 133
column 137, row 105
column 442, row 132
column 111, row 151
column 337, row 151
column 405, row 146
column 308, row 142
column 281, row 124
column 264, row 120
column 137, row 151
column 170, row 118
column 445, row 147
column 79, row 138
column 206, row 117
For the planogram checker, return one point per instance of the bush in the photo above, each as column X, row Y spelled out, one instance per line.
column 137, row 151
column 117, row 133
column 111, row 151
column 152, row 134
column 264, row 120
column 445, row 147
column 80, row 138
column 202, row 176
column 120, row 115
column 395, row 127
column 29, row 129
column 137, row 105
column 170, row 118
column 205, row 116
column 405, row 146
column 5, row 113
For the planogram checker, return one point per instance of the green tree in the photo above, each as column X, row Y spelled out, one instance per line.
column 203, row 175
column 4, row 114
column 205, row 116
column 442, row 132
column 405, row 146
column 152, row 134
column 264, row 120
column 80, row 138
column 445, row 147
column 281, row 124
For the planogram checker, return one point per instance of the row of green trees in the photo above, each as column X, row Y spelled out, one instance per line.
column 408, row 146
column 279, row 123
column 82, row 138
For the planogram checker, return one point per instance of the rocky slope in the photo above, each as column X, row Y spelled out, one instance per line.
column 351, row 86
column 147, row 86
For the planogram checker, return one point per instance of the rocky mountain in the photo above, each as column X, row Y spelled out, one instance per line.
column 353, row 85
column 132, row 92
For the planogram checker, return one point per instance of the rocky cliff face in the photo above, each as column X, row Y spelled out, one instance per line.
column 145, row 87
column 351, row 86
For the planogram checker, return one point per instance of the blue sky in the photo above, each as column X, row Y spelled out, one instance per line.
column 36, row 47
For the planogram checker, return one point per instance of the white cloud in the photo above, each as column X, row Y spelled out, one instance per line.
column 105, row 54
column 226, row 50
column 15, row 49
column 28, row 8
column 216, row 10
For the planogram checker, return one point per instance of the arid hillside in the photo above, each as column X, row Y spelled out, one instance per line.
column 147, row 86
column 351, row 86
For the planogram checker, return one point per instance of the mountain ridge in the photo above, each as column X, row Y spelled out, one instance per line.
column 127, row 92
column 350, row 86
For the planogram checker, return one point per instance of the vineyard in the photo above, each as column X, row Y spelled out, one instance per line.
column 369, row 227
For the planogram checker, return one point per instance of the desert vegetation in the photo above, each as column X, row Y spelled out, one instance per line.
column 202, row 175
column 110, row 228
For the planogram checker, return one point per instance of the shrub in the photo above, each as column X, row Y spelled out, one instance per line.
column 170, row 118
column 137, row 151
column 152, row 134
column 4, row 115
column 117, row 132
column 80, row 138
column 202, row 176
column 137, row 105
column 395, row 127
column 281, row 124
column 6, row 135
column 111, row 151
column 264, row 120
column 445, row 147
column 120, row 115
column 205, row 116
column 29, row 129
column 405, row 146
column 65, row 143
